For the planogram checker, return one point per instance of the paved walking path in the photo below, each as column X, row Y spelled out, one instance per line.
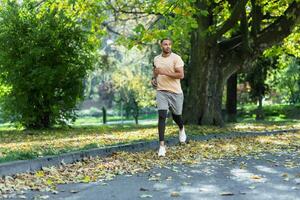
column 261, row 177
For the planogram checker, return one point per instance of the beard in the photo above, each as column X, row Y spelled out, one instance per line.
column 166, row 51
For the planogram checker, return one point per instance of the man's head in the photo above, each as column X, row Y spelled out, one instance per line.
column 166, row 45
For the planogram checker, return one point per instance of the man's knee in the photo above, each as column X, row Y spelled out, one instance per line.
column 162, row 114
column 176, row 115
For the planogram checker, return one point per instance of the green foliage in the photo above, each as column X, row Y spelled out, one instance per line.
column 161, row 19
column 286, row 80
column 45, row 53
column 272, row 111
column 258, row 75
column 133, row 90
column 291, row 43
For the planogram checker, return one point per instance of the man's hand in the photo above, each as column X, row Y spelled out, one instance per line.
column 158, row 71
column 154, row 82
column 178, row 74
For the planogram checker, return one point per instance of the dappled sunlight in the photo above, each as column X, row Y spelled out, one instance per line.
column 189, row 190
column 245, row 176
column 280, row 187
column 266, row 169
column 207, row 188
column 262, row 126
column 228, row 147
column 200, row 190
column 249, row 126
column 280, row 140
column 160, row 186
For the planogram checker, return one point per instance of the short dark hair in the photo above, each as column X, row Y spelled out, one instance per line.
column 162, row 40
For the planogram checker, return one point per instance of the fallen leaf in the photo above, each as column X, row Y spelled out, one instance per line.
column 226, row 194
column 255, row 177
column 175, row 194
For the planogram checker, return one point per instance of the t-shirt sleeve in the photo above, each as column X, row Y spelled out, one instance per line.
column 179, row 62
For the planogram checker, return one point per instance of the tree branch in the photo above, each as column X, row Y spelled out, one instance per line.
column 214, row 4
column 130, row 12
column 235, row 59
column 256, row 18
column 230, row 44
column 105, row 24
column 131, row 18
column 135, row 12
column 39, row 3
column 280, row 29
column 230, row 22
column 245, row 31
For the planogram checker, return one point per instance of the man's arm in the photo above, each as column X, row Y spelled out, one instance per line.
column 153, row 70
column 154, row 76
column 178, row 74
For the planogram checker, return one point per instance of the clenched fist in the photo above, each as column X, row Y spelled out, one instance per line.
column 154, row 82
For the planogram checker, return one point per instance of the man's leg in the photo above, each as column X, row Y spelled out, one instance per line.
column 176, row 102
column 162, row 116
column 162, row 107
column 178, row 120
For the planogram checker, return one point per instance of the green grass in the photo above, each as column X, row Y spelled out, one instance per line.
column 272, row 112
column 20, row 144
column 19, row 155
column 99, row 120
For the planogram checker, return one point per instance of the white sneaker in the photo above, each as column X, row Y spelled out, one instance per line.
column 162, row 151
column 182, row 135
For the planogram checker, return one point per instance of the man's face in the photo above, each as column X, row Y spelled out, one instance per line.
column 166, row 46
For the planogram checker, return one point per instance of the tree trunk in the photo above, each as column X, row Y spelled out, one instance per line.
column 136, row 113
column 205, row 84
column 45, row 121
column 231, row 100
column 260, row 112
column 104, row 115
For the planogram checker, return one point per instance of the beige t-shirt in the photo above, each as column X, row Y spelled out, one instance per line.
column 168, row 64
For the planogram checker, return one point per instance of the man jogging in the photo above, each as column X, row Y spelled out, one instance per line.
column 167, row 71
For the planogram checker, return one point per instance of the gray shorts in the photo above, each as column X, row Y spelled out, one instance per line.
column 168, row 100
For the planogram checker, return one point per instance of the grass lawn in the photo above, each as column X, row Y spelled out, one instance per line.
column 98, row 120
column 28, row 144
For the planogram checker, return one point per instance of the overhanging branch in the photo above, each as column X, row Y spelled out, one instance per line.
column 110, row 29
column 280, row 29
column 231, row 21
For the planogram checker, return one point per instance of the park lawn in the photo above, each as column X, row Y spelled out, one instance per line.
column 81, row 121
column 30, row 144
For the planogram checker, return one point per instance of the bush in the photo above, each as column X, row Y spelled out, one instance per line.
column 44, row 57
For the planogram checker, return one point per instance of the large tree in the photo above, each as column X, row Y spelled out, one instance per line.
column 216, row 57
column 217, row 38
